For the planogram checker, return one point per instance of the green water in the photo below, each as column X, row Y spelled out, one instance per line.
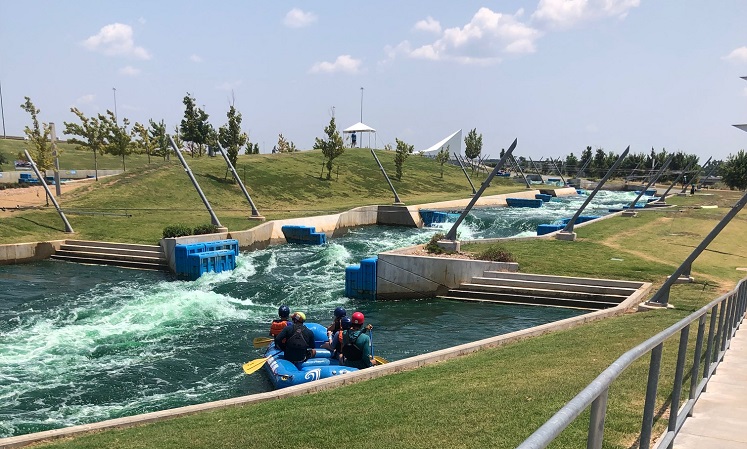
column 81, row 344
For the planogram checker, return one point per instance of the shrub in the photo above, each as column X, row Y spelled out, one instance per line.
column 432, row 246
column 179, row 230
column 205, row 229
column 496, row 253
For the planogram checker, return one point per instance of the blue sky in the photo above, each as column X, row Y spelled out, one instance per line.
column 556, row 74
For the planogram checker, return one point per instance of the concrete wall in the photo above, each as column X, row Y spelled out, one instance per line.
column 404, row 276
column 28, row 252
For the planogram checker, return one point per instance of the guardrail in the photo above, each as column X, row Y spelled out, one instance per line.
column 726, row 314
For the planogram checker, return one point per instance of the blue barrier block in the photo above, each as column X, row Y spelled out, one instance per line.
column 182, row 251
column 303, row 234
column 352, row 281
column 548, row 228
column 523, row 202
column 208, row 261
column 543, row 196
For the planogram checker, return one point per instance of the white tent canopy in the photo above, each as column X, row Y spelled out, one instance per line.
column 359, row 127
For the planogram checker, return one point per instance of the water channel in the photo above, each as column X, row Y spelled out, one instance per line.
column 81, row 343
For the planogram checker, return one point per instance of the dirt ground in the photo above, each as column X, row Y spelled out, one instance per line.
column 12, row 200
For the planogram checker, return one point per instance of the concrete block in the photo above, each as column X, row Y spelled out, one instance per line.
column 569, row 236
column 629, row 213
column 449, row 245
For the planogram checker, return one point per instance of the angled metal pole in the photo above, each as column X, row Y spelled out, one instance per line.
column 526, row 181
column 255, row 212
column 536, row 169
column 581, row 170
column 397, row 201
column 68, row 228
column 558, row 170
column 663, row 198
column 661, row 298
column 634, row 170
column 456, row 156
column 569, row 227
column 652, row 181
column 713, row 168
column 205, row 201
column 451, row 235
column 692, row 180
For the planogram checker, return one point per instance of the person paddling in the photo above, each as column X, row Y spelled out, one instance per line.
column 279, row 324
column 356, row 345
column 296, row 341
column 335, row 327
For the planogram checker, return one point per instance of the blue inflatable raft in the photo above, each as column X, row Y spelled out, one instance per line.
column 284, row 373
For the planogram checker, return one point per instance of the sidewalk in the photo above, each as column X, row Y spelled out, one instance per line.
column 719, row 418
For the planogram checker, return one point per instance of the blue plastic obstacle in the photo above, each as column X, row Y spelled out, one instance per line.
column 523, row 202
column 543, row 196
column 306, row 235
column 430, row 217
column 194, row 259
column 360, row 280
column 548, row 228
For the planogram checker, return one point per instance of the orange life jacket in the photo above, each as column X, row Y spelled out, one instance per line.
column 277, row 326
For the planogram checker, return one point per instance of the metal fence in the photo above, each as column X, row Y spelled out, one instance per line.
column 724, row 314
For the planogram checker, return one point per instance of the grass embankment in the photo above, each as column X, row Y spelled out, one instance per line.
column 497, row 397
column 136, row 206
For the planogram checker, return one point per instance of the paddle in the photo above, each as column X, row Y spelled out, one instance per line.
column 254, row 365
column 261, row 342
column 379, row 360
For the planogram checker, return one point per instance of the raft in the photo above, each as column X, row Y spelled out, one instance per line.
column 284, row 373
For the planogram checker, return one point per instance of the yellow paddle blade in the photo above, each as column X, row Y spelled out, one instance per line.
column 380, row 360
column 254, row 365
column 261, row 342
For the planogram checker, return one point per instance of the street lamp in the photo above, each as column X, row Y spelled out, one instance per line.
column 361, row 105
column 115, row 105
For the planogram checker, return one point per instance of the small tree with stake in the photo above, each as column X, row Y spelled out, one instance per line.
column 442, row 157
column 38, row 137
column 230, row 135
column 90, row 135
column 331, row 147
column 473, row 145
column 402, row 151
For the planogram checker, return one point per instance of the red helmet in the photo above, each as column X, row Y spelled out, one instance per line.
column 358, row 318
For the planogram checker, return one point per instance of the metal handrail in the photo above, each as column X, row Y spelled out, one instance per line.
column 727, row 312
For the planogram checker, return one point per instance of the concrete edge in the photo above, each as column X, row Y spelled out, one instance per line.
column 333, row 382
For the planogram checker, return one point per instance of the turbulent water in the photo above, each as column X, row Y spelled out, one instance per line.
column 80, row 343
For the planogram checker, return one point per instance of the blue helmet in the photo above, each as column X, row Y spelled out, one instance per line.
column 345, row 323
column 340, row 312
column 284, row 311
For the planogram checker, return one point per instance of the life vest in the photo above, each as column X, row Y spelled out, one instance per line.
column 350, row 349
column 277, row 326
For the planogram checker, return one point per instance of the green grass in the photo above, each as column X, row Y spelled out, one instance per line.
column 72, row 158
column 153, row 196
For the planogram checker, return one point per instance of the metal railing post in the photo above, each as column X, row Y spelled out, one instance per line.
column 569, row 227
column 596, row 421
column 695, row 371
column 451, row 235
column 397, row 201
column 456, row 156
column 43, row 182
column 255, row 212
column 679, row 374
column 213, row 218
column 650, row 405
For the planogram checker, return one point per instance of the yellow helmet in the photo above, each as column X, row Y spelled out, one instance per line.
column 298, row 316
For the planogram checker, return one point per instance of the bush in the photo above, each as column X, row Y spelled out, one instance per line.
column 432, row 246
column 205, row 229
column 179, row 230
column 496, row 253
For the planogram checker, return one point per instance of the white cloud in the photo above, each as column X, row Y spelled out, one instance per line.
column 228, row 85
column 129, row 71
column 141, row 20
column 297, row 18
column 85, row 99
column 343, row 63
column 116, row 40
column 568, row 13
column 195, row 58
column 429, row 24
column 482, row 41
column 737, row 55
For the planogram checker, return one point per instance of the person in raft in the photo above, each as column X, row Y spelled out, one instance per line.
column 278, row 325
column 296, row 341
column 336, row 341
column 335, row 327
column 356, row 345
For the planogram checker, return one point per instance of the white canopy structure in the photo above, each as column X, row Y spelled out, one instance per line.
column 453, row 142
column 359, row 127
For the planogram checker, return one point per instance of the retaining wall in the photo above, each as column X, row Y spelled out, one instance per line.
column 28, row 252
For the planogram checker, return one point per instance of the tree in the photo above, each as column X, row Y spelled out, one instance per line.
column 38, row 138
column 230, row 135
column 157, row 133
column 284, row 146
column 119, row 140
column 401, row 152
column 599, row 164
column 91, row 133
column 195, row 128
column 332, row 146
column 473, row 144
column 585, row 157
column 3, row 160
column 251, row 148
column 442, row 157
column 571, row 164
column 734, row 171
column 145, row 142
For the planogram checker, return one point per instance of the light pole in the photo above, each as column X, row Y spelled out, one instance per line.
column 2, row 109
column 361, row 105
column 115, row 105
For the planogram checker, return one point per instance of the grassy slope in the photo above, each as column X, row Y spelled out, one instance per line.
column 497, row 397
column 146, row 199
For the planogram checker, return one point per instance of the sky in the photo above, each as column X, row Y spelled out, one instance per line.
column 558, row 75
